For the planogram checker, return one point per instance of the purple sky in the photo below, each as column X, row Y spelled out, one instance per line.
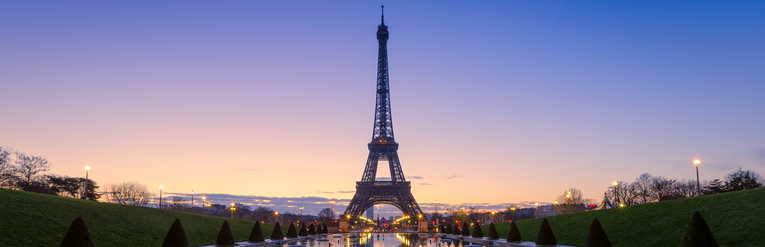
column 493, row 102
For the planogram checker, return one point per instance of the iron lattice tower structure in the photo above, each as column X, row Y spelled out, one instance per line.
column 397, row 191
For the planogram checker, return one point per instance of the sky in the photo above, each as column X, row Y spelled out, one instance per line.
column 493, row 102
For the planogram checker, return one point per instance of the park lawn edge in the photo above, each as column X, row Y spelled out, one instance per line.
column 30, row 219
column 735, row 218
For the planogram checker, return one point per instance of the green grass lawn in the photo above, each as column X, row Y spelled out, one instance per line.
column 29, row 219
column 735, row 218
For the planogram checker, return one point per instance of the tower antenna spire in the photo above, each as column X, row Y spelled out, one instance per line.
column 383, row 13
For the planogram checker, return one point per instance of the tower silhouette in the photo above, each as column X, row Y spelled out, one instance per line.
column 369, row 191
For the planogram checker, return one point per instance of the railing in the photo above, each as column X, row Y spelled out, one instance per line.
column 383, row 183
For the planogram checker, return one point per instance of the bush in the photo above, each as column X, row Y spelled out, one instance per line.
column 596, row 237
column 225, row 237
column 513, row 235
column 292, row 232
column 277, row 233
column 442, row 229
column 545, row 235
column 477, row 232
column 312, row 230
column 325, row 229
column 176, row 236
column 77, row 235
column 698, row 233
column 257, row 233
column 448, row 229
column 303, row 232
column 493, row 232
column 465, row 229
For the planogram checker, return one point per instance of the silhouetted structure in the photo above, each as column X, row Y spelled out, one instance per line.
column 369, row 191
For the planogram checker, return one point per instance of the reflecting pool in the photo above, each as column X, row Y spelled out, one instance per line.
column 378, row 240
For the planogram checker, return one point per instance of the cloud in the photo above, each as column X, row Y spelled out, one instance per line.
column 423, row 183
column 337, row 192
column 413, row 177
column 383, row 178
column 453, row 176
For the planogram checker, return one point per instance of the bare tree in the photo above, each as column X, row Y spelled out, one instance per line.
column 643, row 187
column 662, row 189
column 7, row 168
column 326, row 214
column 178, row 204
column 128, row 193
column 570, row 201
column 29, row 166
column 262, row 213
column 685, row 188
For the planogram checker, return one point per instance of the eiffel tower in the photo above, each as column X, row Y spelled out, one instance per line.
column 397, row 191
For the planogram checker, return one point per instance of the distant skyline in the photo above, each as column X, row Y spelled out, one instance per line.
column 493, row 103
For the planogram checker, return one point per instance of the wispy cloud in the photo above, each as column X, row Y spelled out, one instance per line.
column 423, row 183
column 337, row 192
column 453, row 176
column 413, row 177
column 383, row 178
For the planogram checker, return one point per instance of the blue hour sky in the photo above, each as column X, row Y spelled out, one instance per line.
column 493, row 102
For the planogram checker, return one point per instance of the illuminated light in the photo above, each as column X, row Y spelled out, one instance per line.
column 621, row 205
column 697, row 162
column 615, row 183
column 87, row 168
column 160, row 187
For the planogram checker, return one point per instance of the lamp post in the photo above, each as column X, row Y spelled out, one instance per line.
column 616, row 191
column 332, row 213
column 301, row 213
column 436, row 218
column 160, row 196
column 513, row 210
column 536, row 211
column 87, row 169
column 204, row 203
column 192, row 201
column 568, row 202
column 556, row 207
column 232, row 210
column 698, row 185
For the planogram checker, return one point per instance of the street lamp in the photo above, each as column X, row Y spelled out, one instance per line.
column 192, row 201
column 232, row 210
column 556, row 207
column 160, row 196
column 698, row 185
column 436, row 219
column 568, row 202
column 616, row 191
column 204, row 203
column 536, row 211
column 301, row 214
column 87, row 169
column 332, row 216
column 513, row 210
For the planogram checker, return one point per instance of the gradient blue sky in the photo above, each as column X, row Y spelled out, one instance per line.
column 493, row 102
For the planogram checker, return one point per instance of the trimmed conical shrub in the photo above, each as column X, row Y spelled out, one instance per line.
column 465, row 229
column 493, row 232
column 277, row 233
column 596, row 237
column 176, row 236
column 513, row 235
column 256, row 235
column 698, row 233
column 77, row 235
column 225, row 237
column 442, row 229
column 292, row 232
column 457, row 230
column 545, row 235
column 448, row 228
column 477, row 232
column 303, row 232
column 312, row 230
column 325, row 230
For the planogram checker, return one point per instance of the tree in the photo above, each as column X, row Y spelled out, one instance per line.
column 128, row 193
column 698, row 233
column 262, row 213
column 73, row 187
column 326, row 213
column 29, row 166
column 78, row 234
column 642, row 187
column 662, row 189
column 572, row 202
column 545, row 236
column 7, row 168
column 596, row 236
column 742, row 180
column 225, row 237
column 178, row 204
column 176, row 236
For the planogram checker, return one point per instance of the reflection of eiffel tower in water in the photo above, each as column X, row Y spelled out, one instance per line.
column 369, row 191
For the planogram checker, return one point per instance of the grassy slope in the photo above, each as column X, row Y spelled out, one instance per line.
column 735, row 218
column 29, row 219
